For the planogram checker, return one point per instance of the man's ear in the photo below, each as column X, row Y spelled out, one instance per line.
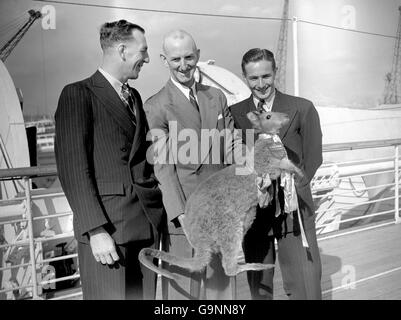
column 121, row 50
column 164, row 59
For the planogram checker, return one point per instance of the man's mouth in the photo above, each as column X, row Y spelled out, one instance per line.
column 139, row 66
column 263, row 91
column 185, row 73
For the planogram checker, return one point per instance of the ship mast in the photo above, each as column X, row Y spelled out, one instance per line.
column 392, row 81
column 281, row 53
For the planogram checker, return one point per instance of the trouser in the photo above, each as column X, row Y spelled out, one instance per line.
column 127, row 279
column 189, row 286
column 300, row 267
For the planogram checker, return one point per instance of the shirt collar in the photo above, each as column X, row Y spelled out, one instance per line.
column 184, row 89
column 268, row 104
column 116, row 84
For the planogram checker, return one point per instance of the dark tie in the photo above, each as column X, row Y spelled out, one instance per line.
column 193, row 100
column 128, row 101
column 260, row 105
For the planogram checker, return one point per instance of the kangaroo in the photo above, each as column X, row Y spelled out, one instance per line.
column 222, row 208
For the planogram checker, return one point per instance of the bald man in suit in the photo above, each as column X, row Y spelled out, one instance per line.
column 183, row 105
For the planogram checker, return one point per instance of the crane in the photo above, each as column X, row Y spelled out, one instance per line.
column 281, row 53
column 392, row 94
column 10, row 45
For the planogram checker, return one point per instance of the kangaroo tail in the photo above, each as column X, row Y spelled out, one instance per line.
column 196, row 264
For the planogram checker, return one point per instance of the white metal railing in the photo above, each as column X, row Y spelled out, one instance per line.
column 321, row 190
column 26, row 174
column 387, row 192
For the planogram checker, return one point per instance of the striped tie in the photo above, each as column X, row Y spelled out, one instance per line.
column 193, row 100
column 128, row 101
column 260, row 106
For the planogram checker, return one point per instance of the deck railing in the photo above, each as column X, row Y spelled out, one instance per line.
column 365, row 168
column 322, row 187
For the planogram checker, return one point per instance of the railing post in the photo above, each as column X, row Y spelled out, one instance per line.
column 397, row 185
column 31, row 238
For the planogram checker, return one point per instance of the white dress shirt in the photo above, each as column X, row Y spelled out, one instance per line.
column 268, row 105
column 185, row 90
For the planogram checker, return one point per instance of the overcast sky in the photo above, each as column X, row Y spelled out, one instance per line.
column 336, row 67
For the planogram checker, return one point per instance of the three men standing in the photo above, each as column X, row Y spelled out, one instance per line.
column 100, row 150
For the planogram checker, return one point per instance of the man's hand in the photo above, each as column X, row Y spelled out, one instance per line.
column 103, row 247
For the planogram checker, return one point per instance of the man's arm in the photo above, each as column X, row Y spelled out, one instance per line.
column 165, row 171
column 73, row 148
column 311, row 143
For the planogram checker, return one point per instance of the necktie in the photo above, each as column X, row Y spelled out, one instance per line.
column 260, row 105
column 192, row 99
column 128, row 101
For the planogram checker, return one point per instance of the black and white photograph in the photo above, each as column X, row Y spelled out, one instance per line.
column 219, row 152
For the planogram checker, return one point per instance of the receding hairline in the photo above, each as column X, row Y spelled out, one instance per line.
column 177, row 35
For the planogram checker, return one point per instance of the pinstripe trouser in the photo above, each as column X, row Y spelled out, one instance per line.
column 127, row 279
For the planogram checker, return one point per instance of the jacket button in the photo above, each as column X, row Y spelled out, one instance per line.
column 124, row 149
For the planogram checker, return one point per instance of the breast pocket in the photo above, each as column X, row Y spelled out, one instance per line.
column 111, row 188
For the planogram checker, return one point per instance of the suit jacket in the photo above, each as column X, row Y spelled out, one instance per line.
column 101, row 161
column 179, row 179
column 302, row 137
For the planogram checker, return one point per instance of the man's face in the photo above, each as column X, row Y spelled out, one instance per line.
column 181, row 57
column 136, row 54
column 260, row 76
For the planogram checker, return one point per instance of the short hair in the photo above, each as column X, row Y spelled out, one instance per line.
column 257, row 54
column 177, row 34
column 116, row 31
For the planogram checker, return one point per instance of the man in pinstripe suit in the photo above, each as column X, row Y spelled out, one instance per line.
column 100, row 150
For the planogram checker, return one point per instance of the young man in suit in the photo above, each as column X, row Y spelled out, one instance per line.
column 302, row 138
column 181, row 107
column 101, row 159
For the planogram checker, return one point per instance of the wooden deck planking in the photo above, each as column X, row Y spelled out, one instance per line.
column 365, row 254
column 371, row 253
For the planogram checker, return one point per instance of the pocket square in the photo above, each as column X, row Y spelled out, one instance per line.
column 220, row 116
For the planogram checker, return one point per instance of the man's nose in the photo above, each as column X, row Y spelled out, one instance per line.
column 147, row 59
column 261, row 83
column 183, row 64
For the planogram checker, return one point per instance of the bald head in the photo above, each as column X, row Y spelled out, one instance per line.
column 177, row 38
column 180, row 55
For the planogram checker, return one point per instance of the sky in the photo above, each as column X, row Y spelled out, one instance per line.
column 336, row 67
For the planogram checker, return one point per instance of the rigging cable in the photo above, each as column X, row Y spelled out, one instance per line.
column 213, row 15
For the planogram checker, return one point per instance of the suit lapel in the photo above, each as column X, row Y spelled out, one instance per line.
column 140, row 132
column 180, row 107
column 207, row 108
column 248, row 106
column 109, row 98
column 280, row 104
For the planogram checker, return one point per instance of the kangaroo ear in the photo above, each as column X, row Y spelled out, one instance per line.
column 253, row 116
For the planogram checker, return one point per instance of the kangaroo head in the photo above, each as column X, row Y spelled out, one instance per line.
column 267, row 122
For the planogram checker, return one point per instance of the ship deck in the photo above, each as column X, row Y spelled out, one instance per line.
column 372, row 256
column 365, row 265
